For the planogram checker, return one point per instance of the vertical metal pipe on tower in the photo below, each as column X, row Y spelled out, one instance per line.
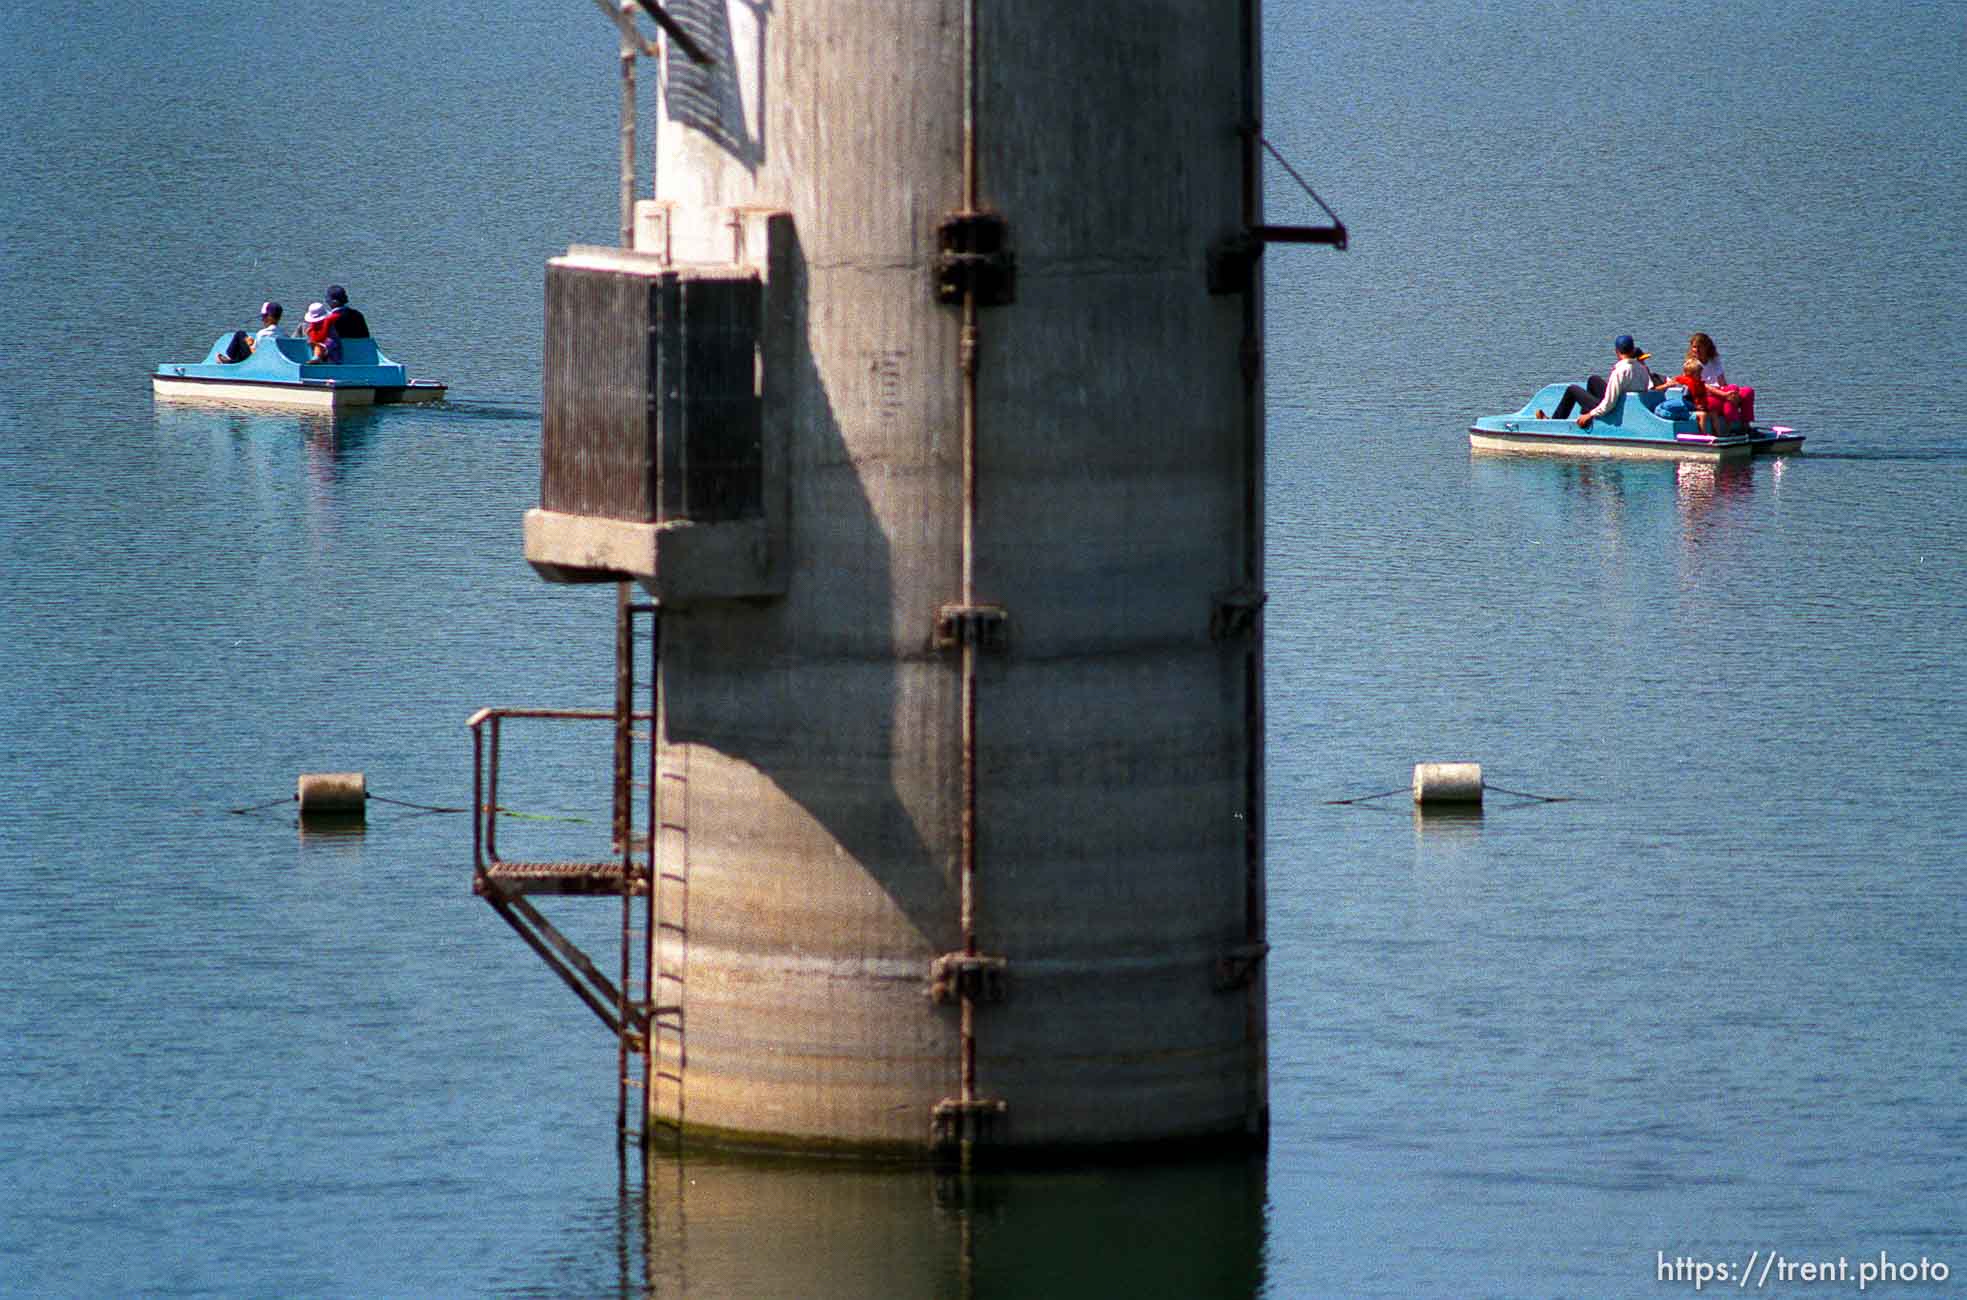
column 968, row 346
column 628, row 143
column 960, row 729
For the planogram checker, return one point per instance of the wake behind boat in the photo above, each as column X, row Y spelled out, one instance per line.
column 282, row 375
column 1633, row 426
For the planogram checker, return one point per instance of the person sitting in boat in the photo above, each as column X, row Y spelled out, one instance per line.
column 1689, row 379
column 1629, row 375
column 323, row 343
column 238, row 346
column 269, row 324
column 1701, row 348
column 242, row 345
column 348, row 323
column 1732, row 404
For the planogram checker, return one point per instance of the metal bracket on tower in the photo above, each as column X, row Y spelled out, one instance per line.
column 1233, row 260
column 973, row 257
column 1233, row 263
column 1235, row 614
column 1236, row 967
column 966, row 975
column 955, row 1120
column 987, row 627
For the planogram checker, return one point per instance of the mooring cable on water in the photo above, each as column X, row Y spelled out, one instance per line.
column 1540, row 798
column 420, row 807
column 373, row 797
column 1362, row 798
column 260, row 807
column 1485, row 785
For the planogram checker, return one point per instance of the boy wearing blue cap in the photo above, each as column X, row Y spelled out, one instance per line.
column 1629, row 375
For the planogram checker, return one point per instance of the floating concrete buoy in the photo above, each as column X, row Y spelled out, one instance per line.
column 342, row 795
column 1447, row 783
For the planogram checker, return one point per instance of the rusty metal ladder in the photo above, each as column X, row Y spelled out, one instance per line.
column 637, row 755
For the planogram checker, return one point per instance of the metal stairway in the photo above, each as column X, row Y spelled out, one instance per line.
column 642, row 1006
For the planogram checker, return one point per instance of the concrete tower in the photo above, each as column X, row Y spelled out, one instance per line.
column 928, row 408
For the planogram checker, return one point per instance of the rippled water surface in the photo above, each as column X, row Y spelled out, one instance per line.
column 1705, row 1005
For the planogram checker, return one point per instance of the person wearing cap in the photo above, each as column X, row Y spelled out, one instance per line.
column 348, row 322
column 325, row 345
column 239, row 344
column 1629, row 375
column 269, row 323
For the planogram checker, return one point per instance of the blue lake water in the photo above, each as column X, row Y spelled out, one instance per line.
column 1707, row 1006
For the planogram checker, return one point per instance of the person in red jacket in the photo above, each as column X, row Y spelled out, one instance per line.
column 348, row 323
column 324, row 343
column 1690, row 379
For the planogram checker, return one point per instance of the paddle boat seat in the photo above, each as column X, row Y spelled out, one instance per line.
column 354, row 352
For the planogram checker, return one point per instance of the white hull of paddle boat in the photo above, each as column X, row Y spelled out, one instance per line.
column 1557, row 444
column 310, row 397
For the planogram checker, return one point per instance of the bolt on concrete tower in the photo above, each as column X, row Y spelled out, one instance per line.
column 927, row 409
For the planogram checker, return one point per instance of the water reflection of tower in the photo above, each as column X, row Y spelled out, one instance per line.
column 928, row 408
column 691, row 1227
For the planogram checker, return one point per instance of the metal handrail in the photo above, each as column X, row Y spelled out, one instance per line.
column 485, row 793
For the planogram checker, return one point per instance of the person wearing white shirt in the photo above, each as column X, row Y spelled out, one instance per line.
column 1733, row 403
column 269, row 323
column 1629, row 375
column 1701, row 348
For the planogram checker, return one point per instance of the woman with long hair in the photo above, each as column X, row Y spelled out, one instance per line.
column 1701, row 348
column 1730, row 404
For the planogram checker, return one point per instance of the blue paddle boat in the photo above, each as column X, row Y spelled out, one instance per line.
column 1634, row 426
column 278, row 373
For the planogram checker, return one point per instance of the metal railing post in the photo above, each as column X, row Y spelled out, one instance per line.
column 477, row 800
column 492, row 797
